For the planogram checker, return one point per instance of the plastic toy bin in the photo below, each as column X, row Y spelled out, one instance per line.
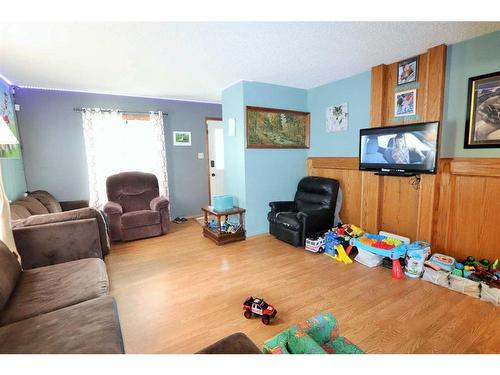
column 394, row 253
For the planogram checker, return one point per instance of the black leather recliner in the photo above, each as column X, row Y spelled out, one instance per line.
column 312, row 211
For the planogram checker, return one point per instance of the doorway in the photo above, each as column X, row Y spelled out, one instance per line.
column 215, row 156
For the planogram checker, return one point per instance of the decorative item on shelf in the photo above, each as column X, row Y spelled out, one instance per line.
column 482, row 125
column 407, row 70
column 337, row 118
column 277, row 128
column 405, row 103
column 182, row 138
column 222, row 202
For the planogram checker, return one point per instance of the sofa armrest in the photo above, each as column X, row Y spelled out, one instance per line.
column 282, row 206
column 73, row 215
column 159, row 203
column 113, row 208
column 58, row 242
column 73, row 205
column 316, row 220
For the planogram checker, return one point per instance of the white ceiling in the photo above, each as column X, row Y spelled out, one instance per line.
column 196, row 60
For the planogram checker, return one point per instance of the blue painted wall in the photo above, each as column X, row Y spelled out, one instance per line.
column 256, row 177
column 14, row 180
column 54, row 148
column 271, row 174
column 466, row 59
column 355, row 91
column 234, row 147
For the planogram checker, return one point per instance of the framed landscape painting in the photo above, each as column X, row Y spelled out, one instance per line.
column 277, row 128
column 482, row 124
column 182, row 138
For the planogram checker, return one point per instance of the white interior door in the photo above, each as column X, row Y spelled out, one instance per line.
column 216, row 157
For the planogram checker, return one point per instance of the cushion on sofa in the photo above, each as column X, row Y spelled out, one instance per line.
column 18, row 212
column 90, row 327
column 45, row 289
column 32, row 205
column 47, row 199
column 9, row 274
column 140, row 218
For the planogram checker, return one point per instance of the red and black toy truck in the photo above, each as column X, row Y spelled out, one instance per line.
column 259, row 307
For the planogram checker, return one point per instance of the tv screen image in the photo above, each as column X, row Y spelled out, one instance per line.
column 399, row 149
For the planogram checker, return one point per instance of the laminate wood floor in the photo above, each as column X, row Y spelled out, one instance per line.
column 180, row 292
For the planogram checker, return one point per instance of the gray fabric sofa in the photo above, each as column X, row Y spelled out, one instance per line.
column 61, row 308
column 135, row 208
column 42, row 224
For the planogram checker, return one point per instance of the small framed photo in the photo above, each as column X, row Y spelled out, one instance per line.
column 182, row 138
column 482, row 120
column 405, row 103
column 407, row 71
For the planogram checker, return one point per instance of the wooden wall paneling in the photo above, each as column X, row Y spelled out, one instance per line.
column 442, row 206
column 399, row 207
column 426, row 199
column 377, row 98
column 474, row 223
column 486, row 167
column 434, row 86
column 345, row 170
column 371, row 188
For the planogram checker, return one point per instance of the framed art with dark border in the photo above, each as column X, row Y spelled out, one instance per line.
column 482, row 123
column 277, row 128
column 407, row 71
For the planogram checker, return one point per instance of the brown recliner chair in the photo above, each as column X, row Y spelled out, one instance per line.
column 135, row 209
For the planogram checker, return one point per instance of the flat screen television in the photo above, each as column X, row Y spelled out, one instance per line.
column 399, row 150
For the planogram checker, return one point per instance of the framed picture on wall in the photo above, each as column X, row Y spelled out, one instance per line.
column 482, row 124
column 8, row 124
column 182, row 138
column 277, row 128
column 405, row 103
column 407, row 71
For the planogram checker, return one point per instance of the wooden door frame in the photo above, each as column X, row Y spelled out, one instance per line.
column 207, row 153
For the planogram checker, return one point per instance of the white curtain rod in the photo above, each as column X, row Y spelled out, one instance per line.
column 129, row 112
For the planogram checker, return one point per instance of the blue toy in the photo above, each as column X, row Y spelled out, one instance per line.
column 334, row 248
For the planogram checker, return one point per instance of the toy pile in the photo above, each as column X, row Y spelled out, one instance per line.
column 225, row 227
column 337, row 242
column 476, row 278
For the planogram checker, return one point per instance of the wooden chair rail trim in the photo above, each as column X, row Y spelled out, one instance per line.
column 349, row 163
column 486, row 167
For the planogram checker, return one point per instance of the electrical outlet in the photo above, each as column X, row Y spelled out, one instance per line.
column 201, row 155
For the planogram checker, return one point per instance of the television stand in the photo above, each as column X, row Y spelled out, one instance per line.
column 396, row 173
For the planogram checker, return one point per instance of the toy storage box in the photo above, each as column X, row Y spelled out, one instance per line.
column 465, row 286
column 490, row 294
column 222, row 202
column 436, row 277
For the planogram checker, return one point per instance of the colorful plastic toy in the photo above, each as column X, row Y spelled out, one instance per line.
column 315, row 245
column 334, row 248
column 259, row 307
column 384, row 246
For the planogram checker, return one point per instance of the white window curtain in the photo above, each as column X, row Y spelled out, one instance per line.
column 115, row 145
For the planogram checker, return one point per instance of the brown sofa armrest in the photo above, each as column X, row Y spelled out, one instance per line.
column 237, row 343
column 73, row 215
column 73, row 205
column 111, row 208
column 58, row 242
column 159, row 203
